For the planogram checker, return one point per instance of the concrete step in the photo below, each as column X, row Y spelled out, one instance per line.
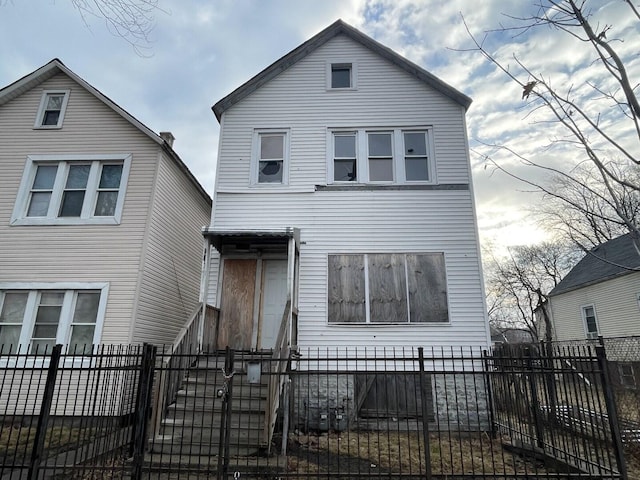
column 210, row 462
column 198, row 405
column 201, row 449
column 208, row 388
column 248, row 435
column 213, row 420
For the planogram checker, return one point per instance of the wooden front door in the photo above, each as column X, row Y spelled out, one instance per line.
column 236, row 307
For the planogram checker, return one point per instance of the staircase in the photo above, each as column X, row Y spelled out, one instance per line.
column 191, row 430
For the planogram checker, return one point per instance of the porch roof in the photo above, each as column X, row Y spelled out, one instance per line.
column 253, row 240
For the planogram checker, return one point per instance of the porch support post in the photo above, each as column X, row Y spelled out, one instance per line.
column 204, row 293
column 291, row 269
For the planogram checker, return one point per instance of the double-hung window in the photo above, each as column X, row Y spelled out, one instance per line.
column 72, row 189
column 393, row 156
column 37, row 319
column 590, row 321
column 380, row 288
column 52, row 109
column 270, row 157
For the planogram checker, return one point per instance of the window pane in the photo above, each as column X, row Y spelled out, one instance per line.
column 54, row 102
column 9, row 338
column 45, row 177
column 270, row 172
column 78, row 175
column 51, row 118
column 387, row 289
column 42, row 346
column 271, row 146
column 39, row 205
column 72, row 204
column 345, row 146
column 344, row 171
column 86, row 307
column 417, row 168
column 106, row 204
column 51, row 298
column 110, row 177
column 45, row 331
column 340, row 76
column 81, row 338
column 13, row 307
column 415, row 143
column 427, row 283
column 380, row 144
column 48, row 314
column 380, row 170
column 346, row 295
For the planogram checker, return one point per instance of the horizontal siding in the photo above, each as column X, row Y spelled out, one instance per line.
column 615, row 302
column 386, row 96
column 172, row 268
column 65, row 253
column 372, row 222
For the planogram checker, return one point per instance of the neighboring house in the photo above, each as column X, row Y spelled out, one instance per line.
column 512, row 336
column 100, row 220
column 600, row 296
column 344, row 186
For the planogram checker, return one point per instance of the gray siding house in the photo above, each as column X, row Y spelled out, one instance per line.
column 100, row 220
column 344, row 190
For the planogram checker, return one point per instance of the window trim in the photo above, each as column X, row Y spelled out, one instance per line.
column 368, row 323
column 63, row 335
column 41, row 109
column 590, row 335
column 398, row 157
column 19, row 215
column 342, row 63
column 255, row 160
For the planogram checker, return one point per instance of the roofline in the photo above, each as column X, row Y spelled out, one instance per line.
column 592, row 282
column 336, row 28
column 56, row 66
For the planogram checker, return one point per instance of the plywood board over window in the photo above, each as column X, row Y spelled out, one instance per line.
column 427, row 288
column 346, row 288
column 387, row 288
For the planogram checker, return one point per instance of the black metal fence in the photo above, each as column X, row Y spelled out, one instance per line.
column 543, row 412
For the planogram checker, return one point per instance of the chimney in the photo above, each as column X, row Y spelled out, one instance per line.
column 168, row 137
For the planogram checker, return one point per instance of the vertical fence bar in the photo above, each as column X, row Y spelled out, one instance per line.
column 45, row 410
column 612, row 412
column 425, row 415
column 535, row 403
column 145, row 383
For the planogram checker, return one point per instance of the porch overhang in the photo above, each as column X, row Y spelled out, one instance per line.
column 252, row 241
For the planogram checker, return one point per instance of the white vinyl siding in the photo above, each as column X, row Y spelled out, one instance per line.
column 386, row 97
column 616, row 305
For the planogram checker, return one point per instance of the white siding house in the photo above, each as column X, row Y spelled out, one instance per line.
column 344, row 185
column 600, row 296
column 100, row 220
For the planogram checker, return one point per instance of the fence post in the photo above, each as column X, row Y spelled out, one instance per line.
column 139, row 434
column 425, row 415
column 45, row 411
column 535, row 402
column 612, row 411
column 489, row 388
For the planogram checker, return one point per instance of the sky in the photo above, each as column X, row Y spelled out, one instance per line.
column 201, row 50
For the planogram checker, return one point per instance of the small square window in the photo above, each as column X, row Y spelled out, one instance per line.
column 341, row 75
column 52, row 108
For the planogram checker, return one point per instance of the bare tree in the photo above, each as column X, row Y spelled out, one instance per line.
column 518, row 284
column 133, row 20
column 597, row 121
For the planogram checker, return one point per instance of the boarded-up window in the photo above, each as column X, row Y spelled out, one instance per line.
column 346, row 288
column 388, row 288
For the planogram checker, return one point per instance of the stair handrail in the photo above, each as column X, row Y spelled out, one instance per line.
column 277, row 379
column 176, row 361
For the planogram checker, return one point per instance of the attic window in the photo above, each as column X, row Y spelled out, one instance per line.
column 52, row 107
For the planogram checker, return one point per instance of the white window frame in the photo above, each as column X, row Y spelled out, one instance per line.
column 362, row 159
column 255, row 160
column 342, row 63
column 66, row 316
column 41, row 109
column 19, row 216
column 590, row 335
